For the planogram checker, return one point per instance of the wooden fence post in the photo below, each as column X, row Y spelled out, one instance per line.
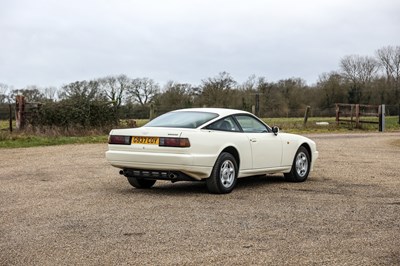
column 20, row 112
column 358, row 116
column 151, row 111
column 306, row 114
column 381, row 114
column 351, row 114
column 337, row 114
column 10, row 120
column 257, row 107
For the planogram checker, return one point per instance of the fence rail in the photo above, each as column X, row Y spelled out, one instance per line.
column 357, row 114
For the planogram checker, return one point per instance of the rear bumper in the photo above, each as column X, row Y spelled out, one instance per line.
column 173, row 176
column 185, row 163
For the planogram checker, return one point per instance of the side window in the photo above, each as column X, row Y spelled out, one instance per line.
column 226, row 124
column 250, row 124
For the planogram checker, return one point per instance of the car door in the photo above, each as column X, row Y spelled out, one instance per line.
column 227, row 131
column 266, row 147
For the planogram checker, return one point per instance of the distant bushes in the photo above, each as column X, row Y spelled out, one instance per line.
column 74, row 114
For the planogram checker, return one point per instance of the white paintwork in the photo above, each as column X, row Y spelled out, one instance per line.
column 266, row 150
column 259, row 153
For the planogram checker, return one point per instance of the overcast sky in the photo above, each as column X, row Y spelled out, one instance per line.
column 51, row 43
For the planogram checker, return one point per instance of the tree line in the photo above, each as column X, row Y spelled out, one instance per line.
column 371, row 79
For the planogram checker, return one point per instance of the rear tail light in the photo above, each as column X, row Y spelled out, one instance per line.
column 174, row 142
column 122, row 140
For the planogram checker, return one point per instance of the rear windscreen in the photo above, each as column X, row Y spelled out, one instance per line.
column 182, row 119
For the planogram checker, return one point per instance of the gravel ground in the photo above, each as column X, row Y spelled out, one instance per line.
column 64, row 205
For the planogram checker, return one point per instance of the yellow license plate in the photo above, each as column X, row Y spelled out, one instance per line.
column 145, row 140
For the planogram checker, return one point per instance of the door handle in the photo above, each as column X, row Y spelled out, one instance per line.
column 253, row 140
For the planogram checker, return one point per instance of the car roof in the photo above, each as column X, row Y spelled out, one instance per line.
column 219, row 111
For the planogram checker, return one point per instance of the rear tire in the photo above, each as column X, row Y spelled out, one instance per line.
column 224, row 175
column 300, row 167
column 140, row 182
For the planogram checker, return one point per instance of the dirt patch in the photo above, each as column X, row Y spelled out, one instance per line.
column 396, row 142
column 66, row 205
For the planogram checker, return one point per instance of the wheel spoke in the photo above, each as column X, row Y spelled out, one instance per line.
column 227, row 173
column 301, row 164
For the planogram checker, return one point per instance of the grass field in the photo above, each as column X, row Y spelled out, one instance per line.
column 19, row 140
column 290, row 125
column 295, row 125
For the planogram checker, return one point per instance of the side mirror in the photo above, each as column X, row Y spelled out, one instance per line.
column 275, row 130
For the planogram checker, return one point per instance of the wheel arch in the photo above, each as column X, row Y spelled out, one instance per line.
column 308, row 148
column 232, row 150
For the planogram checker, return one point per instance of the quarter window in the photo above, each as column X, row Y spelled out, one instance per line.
column 226, row 124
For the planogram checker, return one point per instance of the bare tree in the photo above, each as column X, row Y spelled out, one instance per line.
column 215, row 90
column 32, row 93
column 389, row 58
column 331, row 89
column 359, row 69
column 143, row 90
column 250, row 84
column 114, row 88
column 4, row 93
column 248, row 91
column 177, row 88
column 82, row 90
column 175, row 95
column 50, row 93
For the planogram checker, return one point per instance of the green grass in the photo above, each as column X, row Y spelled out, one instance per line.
column 290, row 125
column 13, row 140
column 295, row 125
column 5, row 124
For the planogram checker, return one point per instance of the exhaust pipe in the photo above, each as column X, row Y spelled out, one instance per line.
column 173, row 175
column 127, row 172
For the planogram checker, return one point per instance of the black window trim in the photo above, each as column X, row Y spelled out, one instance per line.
column 269, row 129
column 233, row 116
column 216, row 121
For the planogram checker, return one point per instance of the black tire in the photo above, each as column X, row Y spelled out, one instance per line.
column 224, row 175
column 140, row 182
column 300, row 167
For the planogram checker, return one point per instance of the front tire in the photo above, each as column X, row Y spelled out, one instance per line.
column 140, row 182
column 300, row 167
column 224, row 175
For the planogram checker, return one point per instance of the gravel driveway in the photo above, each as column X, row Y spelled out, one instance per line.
column 64, row 205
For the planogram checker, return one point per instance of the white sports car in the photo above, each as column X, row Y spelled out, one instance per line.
column 211, row 144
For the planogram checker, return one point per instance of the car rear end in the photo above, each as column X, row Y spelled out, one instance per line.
column 157, row 153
